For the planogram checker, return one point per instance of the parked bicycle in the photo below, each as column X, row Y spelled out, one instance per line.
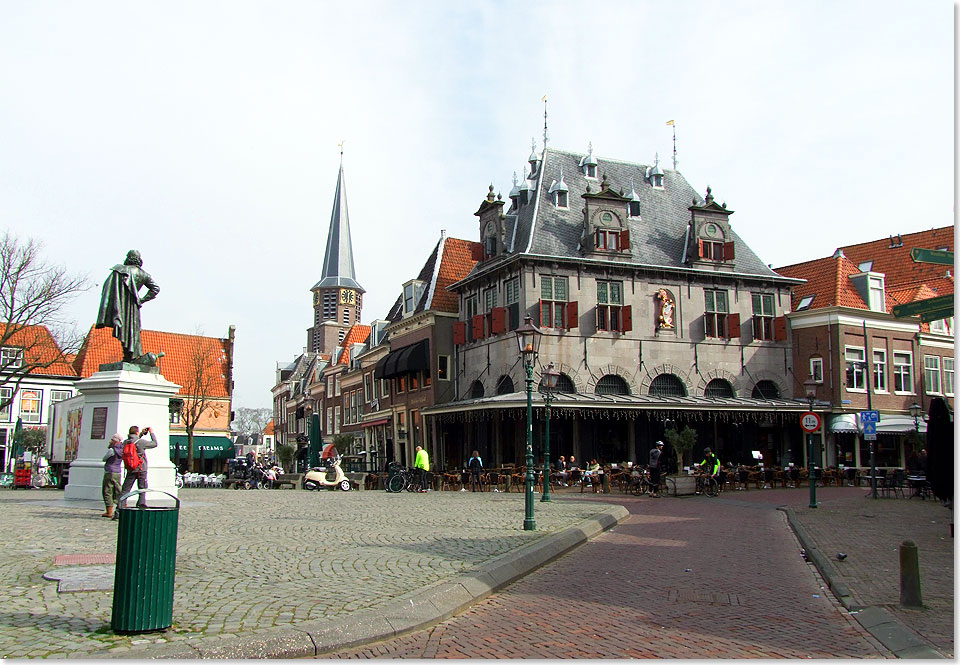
column 708, row 485
column 403, row 478
column 42, row 478
column 667, row 486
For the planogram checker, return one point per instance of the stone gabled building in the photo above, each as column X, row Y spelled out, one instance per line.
column 654, row 310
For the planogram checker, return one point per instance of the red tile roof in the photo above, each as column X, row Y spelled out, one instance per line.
column 101, row 347
column 358, row 334
column 895, row 262
column 904, row 280
column 455, row 265
column 39, row 347
column 268, row 430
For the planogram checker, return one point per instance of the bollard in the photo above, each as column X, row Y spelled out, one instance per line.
column 605, row 483
column 909, row 575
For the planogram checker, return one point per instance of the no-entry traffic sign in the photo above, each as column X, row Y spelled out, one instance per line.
column 810, row 422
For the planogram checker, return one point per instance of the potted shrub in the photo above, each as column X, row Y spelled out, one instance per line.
column 682, row 441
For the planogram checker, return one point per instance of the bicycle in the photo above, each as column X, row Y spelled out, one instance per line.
column 708, row 485
column 667, row 486
column 404, row 479
column 43, row 479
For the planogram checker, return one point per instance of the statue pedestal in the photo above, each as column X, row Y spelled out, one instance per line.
column 113, row 400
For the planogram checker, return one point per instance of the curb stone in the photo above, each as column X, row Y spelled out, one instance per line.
column 881, row 624
column 405, row 614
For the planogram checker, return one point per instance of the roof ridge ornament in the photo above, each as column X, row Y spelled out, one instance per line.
column 490, row 196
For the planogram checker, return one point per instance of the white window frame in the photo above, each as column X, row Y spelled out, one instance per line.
column 903, row 370
column 330, row 425
column 443, row 368
column 816, row 369
column 931, row 372
column 880, row 379
column 366, row 387
column 11, row 357
column 857, row 366
column 6, row 414
column 948, row 375
column 60, row 395
column 39, row 412
column 336, row 385
column 336, row 419
column 942, row 326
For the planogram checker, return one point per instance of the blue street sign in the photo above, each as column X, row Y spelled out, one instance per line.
column 869, row 416
column 869, row 428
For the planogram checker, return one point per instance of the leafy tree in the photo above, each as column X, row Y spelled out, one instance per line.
column 33, row 296
column 681, row 441
column 34, row 439
column 286, row 453
column 203, row 374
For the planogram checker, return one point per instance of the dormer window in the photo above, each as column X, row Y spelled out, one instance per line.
column 805, row 302
column 655, row 173
column 877, row 301
column 712, row 245
column 634, row 208
column 589, row 164
column 562, row 199
column 412, row 292
column 658, row 180
column 559, row 192
column 608, row 235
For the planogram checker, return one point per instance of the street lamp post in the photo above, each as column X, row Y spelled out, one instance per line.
column 547, row 386
column 811, row 387
column 915, row 411
column 528, row 340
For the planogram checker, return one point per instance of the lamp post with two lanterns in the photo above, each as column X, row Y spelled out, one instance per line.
column 547, row 386
column 528, row 340
column 811, row 389
column 915, row 411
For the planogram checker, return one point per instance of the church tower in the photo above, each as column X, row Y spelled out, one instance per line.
column 337, row 297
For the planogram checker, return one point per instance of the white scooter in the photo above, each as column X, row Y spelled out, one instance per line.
column 330, row 476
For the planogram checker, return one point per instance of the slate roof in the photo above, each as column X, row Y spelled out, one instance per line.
column 656, row 238
column 40, row 347
column 101, row 347
column 338, row 258
column 358, row 334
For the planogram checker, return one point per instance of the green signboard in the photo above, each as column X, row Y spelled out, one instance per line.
column 938, row 256
column 206, row 447
column 920, row 307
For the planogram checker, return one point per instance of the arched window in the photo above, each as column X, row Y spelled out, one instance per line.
column 718, row 388
column 765, row 389
column 667, row 385
column 476, row 390
column 504, row 385
column 611, row 384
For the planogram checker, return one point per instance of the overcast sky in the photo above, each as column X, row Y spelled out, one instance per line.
column 205, row 133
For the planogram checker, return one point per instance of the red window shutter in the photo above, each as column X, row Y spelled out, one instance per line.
column 626, row 318
column 460, row 332
column 498, row 320
column 733, row 325
column 476, row 251
column 573, row 316
column 625, row 239
column 478, row 326
column 728, row 251
column 780, row 329
column 700, row 247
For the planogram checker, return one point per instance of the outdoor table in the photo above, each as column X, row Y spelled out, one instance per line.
column 919, row 486
column 869, row 479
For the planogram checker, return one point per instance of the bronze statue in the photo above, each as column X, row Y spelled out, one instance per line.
column 120, row 306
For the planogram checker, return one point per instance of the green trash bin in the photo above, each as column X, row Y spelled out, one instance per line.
column 146, row 557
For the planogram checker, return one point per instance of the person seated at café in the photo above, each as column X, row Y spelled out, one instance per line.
column 709, row 468
column 563, row 470
column 592, row 473
column 913, row 464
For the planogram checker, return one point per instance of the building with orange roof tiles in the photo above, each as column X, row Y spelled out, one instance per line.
column 853, row 354
column 202, row 367
column 35, row 375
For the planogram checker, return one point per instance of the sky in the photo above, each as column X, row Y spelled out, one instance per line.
column 205, row 134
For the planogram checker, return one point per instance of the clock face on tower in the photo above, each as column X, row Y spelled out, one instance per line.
column 316, row 297
column 347, row 297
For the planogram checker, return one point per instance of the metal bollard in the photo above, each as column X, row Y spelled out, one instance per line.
column 909, row 575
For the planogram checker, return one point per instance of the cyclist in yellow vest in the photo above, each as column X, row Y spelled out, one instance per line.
column 422, row 462
column 710, row 466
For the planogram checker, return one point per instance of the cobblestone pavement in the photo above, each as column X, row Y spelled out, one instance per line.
column 681, row 578
column 870, row 532
column 253, row 560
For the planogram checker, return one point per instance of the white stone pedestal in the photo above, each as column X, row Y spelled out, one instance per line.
column 121, row 398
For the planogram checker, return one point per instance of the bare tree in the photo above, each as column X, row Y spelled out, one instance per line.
column 251, row 421
column 204, row 380
column 33, row 296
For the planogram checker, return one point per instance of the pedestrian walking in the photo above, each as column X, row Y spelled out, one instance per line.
column 137, row 468
column 422, row 462
column 654, row 467
column 113, row 461
column 475, row 464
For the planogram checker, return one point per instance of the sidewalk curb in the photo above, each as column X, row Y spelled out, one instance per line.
column 405, row 614
column 880, row 623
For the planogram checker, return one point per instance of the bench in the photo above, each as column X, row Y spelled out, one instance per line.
column 291, row 480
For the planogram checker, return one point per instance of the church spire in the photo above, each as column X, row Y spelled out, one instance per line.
column 338, row 258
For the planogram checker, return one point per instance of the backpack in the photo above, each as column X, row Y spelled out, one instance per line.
column 475, row 463
column 131, row 456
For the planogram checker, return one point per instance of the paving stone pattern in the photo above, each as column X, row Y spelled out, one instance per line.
column 684, row 578
column 870, row 532
column 253, row 560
